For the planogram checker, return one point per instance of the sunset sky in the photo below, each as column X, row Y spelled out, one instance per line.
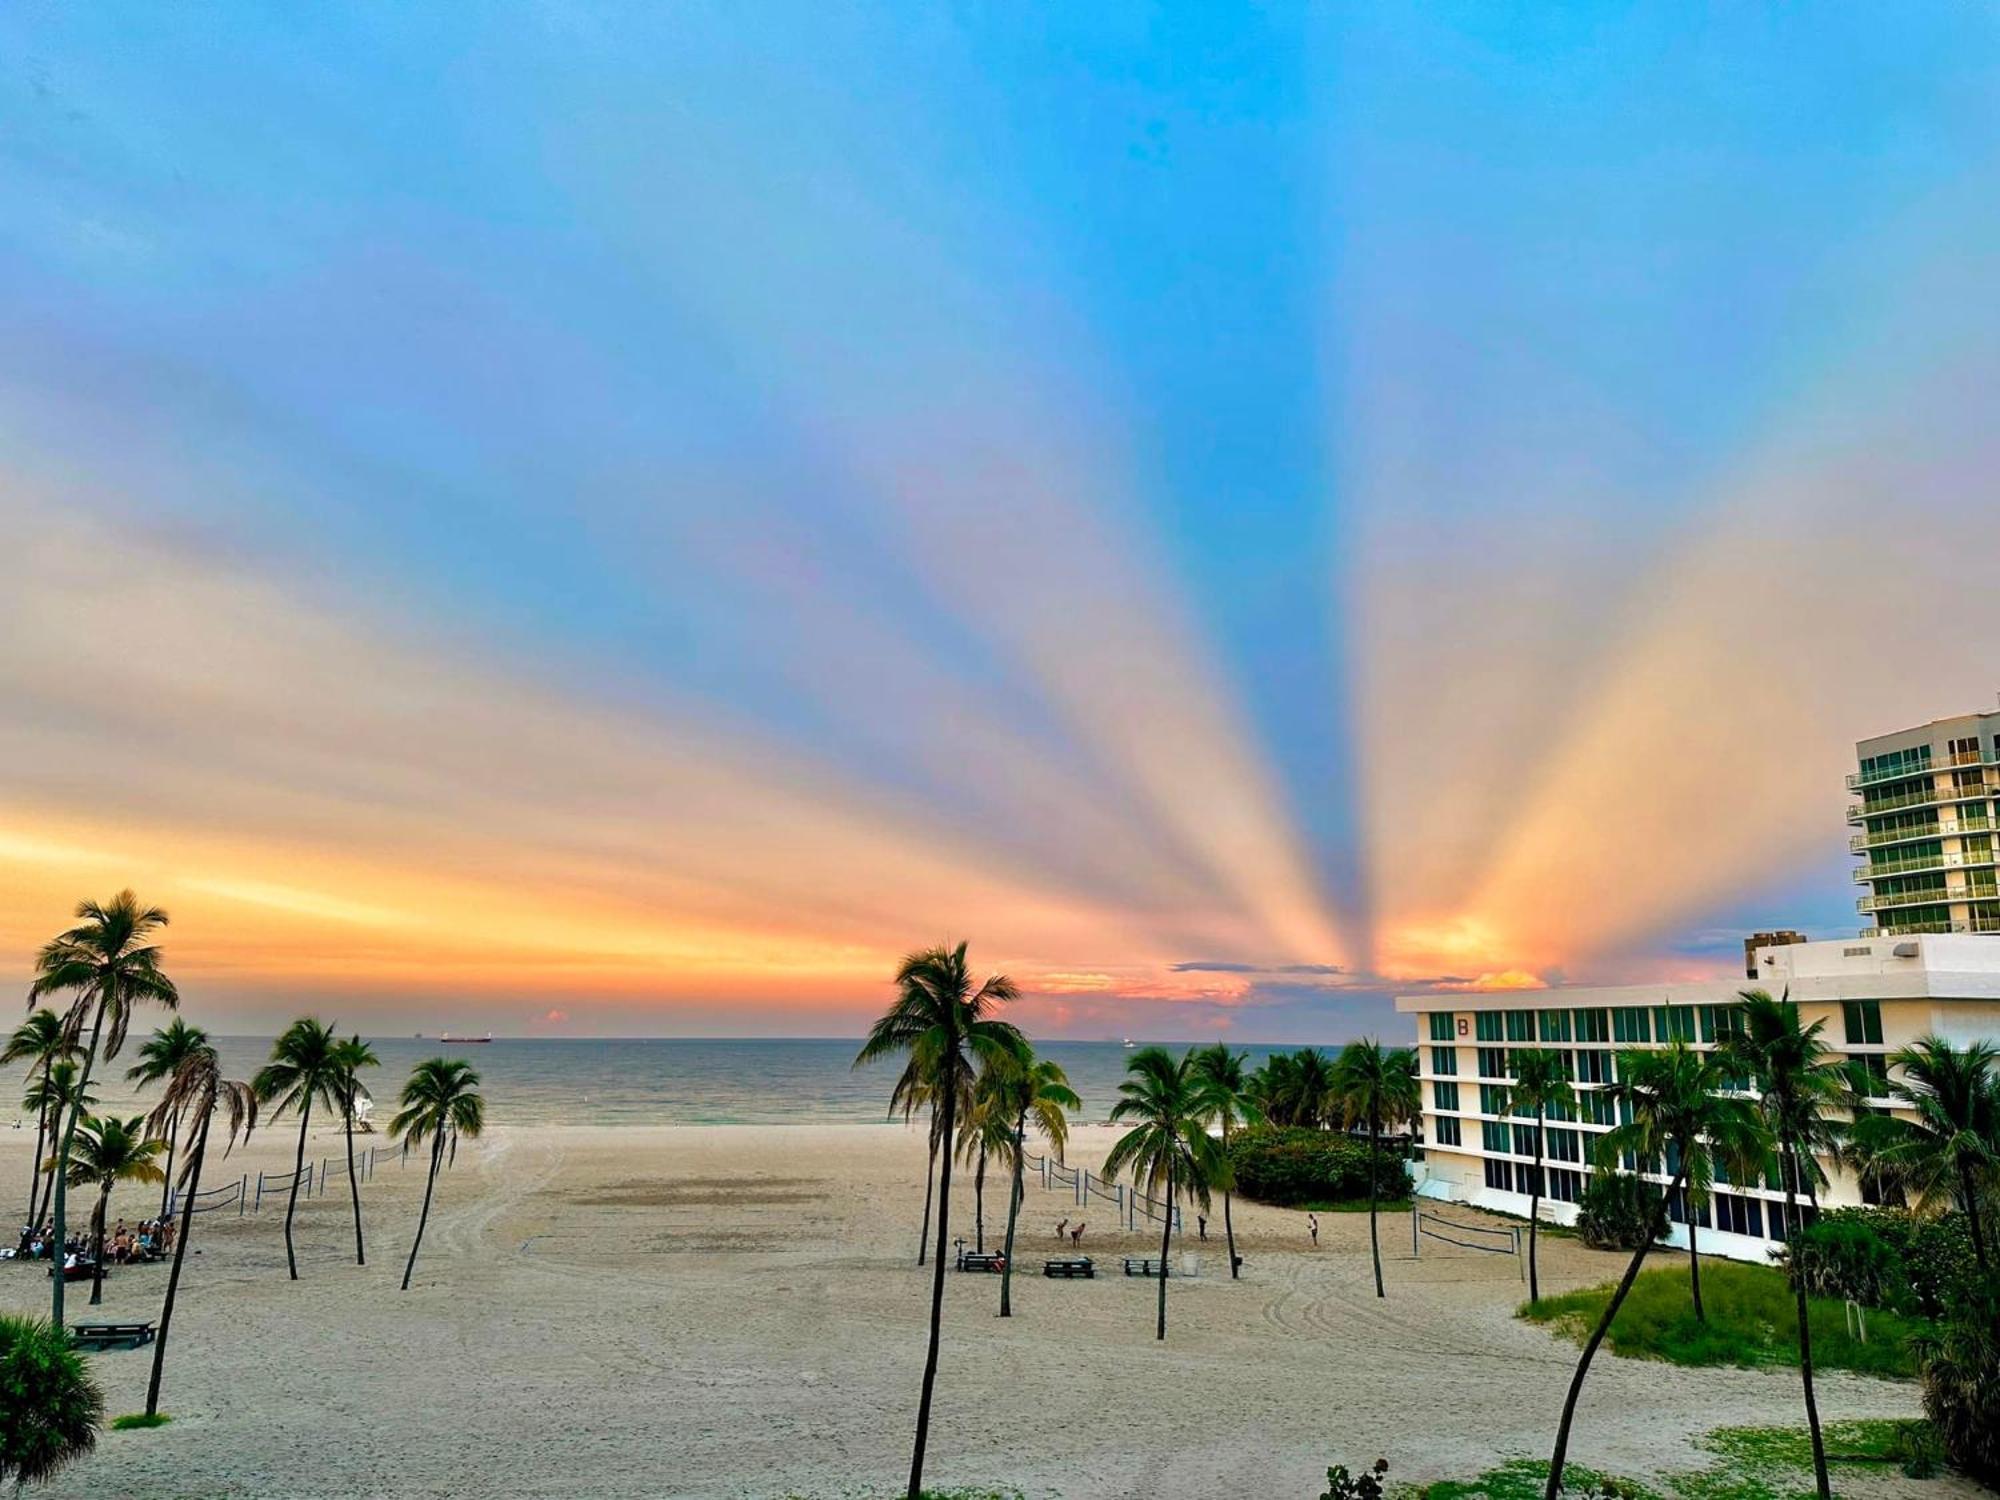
column 582, row 520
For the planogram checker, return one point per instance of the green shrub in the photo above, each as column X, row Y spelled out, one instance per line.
column 1925, row 1266
column 1617, row 1211
column 1293, row 1166
column 1960, row 1368
column 1842, row 1255
column 137, row 1421
column 50, row 1407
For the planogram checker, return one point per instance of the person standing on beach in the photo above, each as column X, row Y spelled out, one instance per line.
column 1312, row 1226
column 1201, row 1224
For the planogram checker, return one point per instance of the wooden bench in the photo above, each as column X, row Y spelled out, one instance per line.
column 1139, row 1265
column 83, row 1270
column 1079, row 1266
column 972, row 1260
column 111, row 1335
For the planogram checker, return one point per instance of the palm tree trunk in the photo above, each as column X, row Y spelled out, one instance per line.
column 1228, row 1229
column 1013, row 1213
column 979, row 1204
column 1554, row 1486
column 430, row 1186
column 292, row 1202
column 930, row 1186
column 1694, row 1256
column 354, row 1186
column 35, row 1166
column 1374, row 1180
column 97, row 1246
column 937, row 1277
column 167, row 1182
column 1805, row 1330
column 1166, row 1247
column 1968, row 1198
column 1535, row 1215
column 60, row 1194
column 193, row 1185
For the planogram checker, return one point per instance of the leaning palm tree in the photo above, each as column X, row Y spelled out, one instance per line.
column 986, row 1131
column 1226, row 1102
column 350, row 1055
column 160, row 1056
column 43, row 1041
column 107, row 964
column 1038, row 1089
column 1541, row 1083
column 1378, row 1089
column 1801, row 1091
column 941, row 1014
column 195, row 1091
column 1168, row 1150
column 441, row 1101
column 1669, row 1102
column 106, row 1151
column 1946, row 1150
column 54, row 1406
column 917, row 1090
column 303, row 1067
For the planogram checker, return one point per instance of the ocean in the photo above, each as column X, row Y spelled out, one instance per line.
column 657, row 1081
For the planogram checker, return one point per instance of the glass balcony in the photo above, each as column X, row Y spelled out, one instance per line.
column 1922, row 796
column 1958, row 897
column 1950, row 859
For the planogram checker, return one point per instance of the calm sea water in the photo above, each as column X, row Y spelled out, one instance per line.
column 657, row 1081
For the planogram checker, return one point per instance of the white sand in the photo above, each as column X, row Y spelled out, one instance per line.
column 735, row 1311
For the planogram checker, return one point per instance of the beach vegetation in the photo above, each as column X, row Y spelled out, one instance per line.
column 195, row 1093
column 440, row 1103
column 1297, row 1168
column 303, row 1068
column 1959, row 1362
column 134, row 1421
column 159, row 1055
column 1027, row 1090
column 1295, row 1089
column 50, row 1406
column 1541, row 1083
column 1917, row 1264
column 350, row 1055
column 43, row 1041
column 1227, row 1104
column 103, row 1153
column 915, row 1090
column 1168, row 1152
column 1671, row 1112
column 941, row 1021
column 1375, row 1088
column 107, row 964
column 1618, row 1211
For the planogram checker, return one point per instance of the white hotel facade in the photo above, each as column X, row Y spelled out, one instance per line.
column 1936, row 972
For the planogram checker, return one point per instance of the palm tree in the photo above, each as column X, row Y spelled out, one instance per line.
column 1541, row 1082
column 304, row 1066
column 160, row 1055
column 915, row 1090
column 195, row 1091
column 939, row 1014
column 43, row 1040
column 106, row 962
column 1029, row 1087
column 1947, row 1153
column 1297, row 1089
column 350, row 1055
column 1669, row 1102
column 1801, row 1089
column 54, row 1407
column 1377, row 1089
column 1168, row 1149
column 108, row 1151
column 441, row 1100
column 986, row 1130
column 1226, row 1102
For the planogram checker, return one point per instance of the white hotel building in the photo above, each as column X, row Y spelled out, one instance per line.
column 1924, row 969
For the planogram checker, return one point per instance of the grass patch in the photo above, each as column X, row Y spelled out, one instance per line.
column 1752, row 1320
column 132, row 1421
column 1751, row 1463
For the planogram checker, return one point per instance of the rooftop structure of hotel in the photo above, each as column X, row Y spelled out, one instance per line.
column 1922, row 968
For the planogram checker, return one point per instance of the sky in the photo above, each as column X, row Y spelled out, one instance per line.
column 626, row 520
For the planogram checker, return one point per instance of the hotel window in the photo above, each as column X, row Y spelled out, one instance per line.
column 1500, row 1174
column 1739, row 1215
column 1593, row 1067
column 1593, row 1025
column 1524, row 1140
column 1492, row 1099
column 1527, row 1178
column 1444, row 1060
column 1494, row 1137
column 1444, row 1096
column 1870, row 1072
column 1520, row 1026
column 1673, row 1021
column 1558, row 1110
column 1597, row 1108
column 1964, row 751
column 1441, row 1026
column 1565, row 1145
column 1445, row 1130
column 1487, row 1025
column 1719, row 1022
column 1629, row 1024
column 1555, row 1025
column 1493, row 1063
column 1565, row 1186
column 1863, row 1019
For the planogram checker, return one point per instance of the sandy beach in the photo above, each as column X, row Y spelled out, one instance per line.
column 735, row 1311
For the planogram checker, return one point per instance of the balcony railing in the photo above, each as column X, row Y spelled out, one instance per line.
column 1924, row 929
column 1856, row 779
column 1918, row 797
column 1942, row 897
column 1949, row 859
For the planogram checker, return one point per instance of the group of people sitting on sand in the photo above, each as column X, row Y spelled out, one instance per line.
column 151, row 1239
